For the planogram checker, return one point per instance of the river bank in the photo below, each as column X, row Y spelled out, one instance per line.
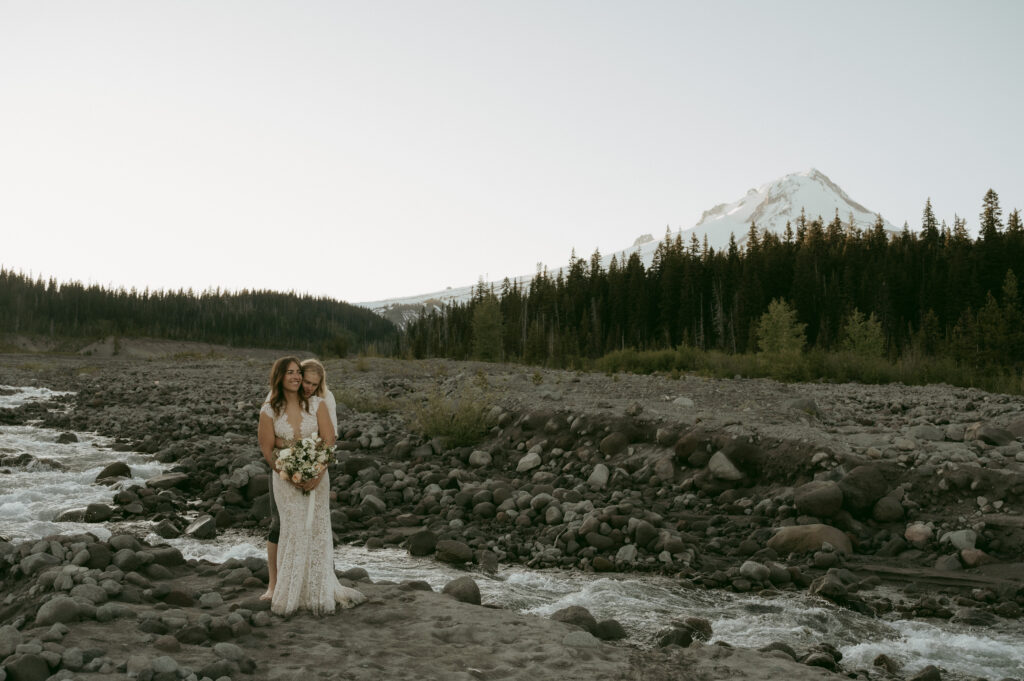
column 879, row 487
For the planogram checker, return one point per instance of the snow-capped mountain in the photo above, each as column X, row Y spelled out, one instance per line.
column 769, row 206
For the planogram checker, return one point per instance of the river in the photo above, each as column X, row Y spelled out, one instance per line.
column 61, row 475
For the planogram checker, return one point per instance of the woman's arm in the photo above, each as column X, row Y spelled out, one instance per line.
column 324, row 425
column 265, row 436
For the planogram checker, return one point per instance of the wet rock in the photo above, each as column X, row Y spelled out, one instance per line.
column 167, row 480
column 203, row 527
column 576, row 615
column 118, row 469
column 463, row 589
column 423, row 543
column 66, row 438
column 453, row 551
column 887, row 663
column 929, row 673
column 610, row 630
column 820, row 659
column 98, row 513
column 675, row 636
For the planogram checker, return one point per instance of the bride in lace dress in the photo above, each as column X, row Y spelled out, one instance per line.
column 305, row 551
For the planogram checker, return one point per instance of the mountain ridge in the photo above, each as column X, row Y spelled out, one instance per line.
column 770, row 206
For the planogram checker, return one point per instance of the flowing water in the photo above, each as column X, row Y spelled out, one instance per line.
column 31, row 497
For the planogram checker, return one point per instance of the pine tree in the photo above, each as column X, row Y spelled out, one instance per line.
column 778, row 331
column 990, row 219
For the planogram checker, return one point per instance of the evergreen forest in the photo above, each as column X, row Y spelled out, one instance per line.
column 857, row 304
column 265, row 319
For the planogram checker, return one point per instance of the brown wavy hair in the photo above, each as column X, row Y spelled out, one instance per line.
column 277, row 373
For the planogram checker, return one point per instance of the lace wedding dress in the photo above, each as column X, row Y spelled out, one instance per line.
column 305, row 552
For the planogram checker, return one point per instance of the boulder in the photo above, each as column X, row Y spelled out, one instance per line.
column 888, row 509
column 723, row 469
column 97, row 513
column 203, row 527
column 463, row 589
column 528, row 462
column 167, row 480
column 818, row 498
column 614, row 443
column 453, row 551
column 862, row 487
column 423, row 543
column 578, row 616
column 57, row 609
column 807, row 538
column 598, row 479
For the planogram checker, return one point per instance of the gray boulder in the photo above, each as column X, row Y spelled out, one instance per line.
column 819, row 498
column 463, row 589
column 862, row 487
column 57, row 609
column 578, row 616
column 453, row 551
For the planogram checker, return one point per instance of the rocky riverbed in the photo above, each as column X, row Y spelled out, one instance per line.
column 887, row 500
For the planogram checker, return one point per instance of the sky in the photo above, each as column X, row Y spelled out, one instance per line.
column 371, row 150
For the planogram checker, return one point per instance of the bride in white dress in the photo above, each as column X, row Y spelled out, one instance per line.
column 305, row 552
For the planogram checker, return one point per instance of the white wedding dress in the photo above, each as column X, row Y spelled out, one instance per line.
column 305, row 552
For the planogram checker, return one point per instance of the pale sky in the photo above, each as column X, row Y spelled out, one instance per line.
column 374, row 149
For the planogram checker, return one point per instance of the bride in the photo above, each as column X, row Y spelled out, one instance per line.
column 305, row 551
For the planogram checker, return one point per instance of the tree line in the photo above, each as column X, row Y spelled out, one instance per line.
column 932, row 292
column 244, row 319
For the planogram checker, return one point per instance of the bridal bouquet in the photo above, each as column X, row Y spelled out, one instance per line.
column 304, row 460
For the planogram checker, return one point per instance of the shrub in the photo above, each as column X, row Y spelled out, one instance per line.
column 461, row 420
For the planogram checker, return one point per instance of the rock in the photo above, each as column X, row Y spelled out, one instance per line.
column 613, row 444
column 918, row 534
column 463, row 589
column 598, row 479
column 10, row 639
column 479, row 458
column 684, row 402
column 212, row 599
column 57, row 609
column 578, row 616
column 927, row 432
column 722, row 468
column 888, row 509
column 98, row 513
column 829, row 587
column 699, row 627
column 66, row 438
column 972, row 558
column 804, row 404
column 166, row 529
column 754, row 571
column 807, row 538
column 960, row 539
column 823, row 660
column 528, row 462
column 665, row 469
column 818, row 498
column 27, row 667
column 948, row 563
column 117, row 469
column 36, row 562
column 862, row 487
column 203, row 527
column 929, row 673
column 90, row 592
column 452, row 551
column 992, row 435
column 610, row 630
column 167, row 480
column 675, row 636
column 887, row 663
column 626, row 555
column 423, row 543
column 580, row 639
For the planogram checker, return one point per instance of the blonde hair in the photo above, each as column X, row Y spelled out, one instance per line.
column 316, row 366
